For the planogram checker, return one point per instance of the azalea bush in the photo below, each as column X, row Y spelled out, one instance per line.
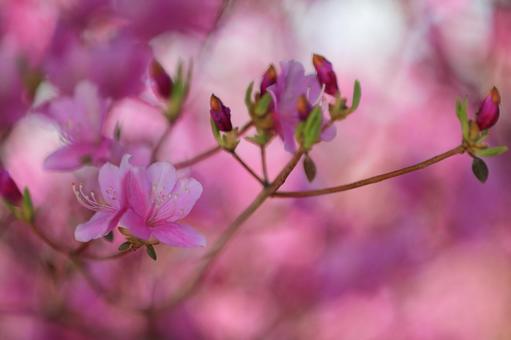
column 150, row 192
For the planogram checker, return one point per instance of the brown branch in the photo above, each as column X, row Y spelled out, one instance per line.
column 192, row 285
column 248, row 168
column 371, row 180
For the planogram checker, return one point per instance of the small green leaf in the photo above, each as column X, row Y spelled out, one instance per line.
column 480, row 169
column 262, row 105
column 357, row 95
column 151, row 251
column 309, row 168
column 125, row 246
column 27, row 207
column 461, row 112
column 109, row 237
column 490, row 152
column 260, row 138
column 248, row 96
column 312, row 128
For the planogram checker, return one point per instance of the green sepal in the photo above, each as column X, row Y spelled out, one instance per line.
column 490, row 152
column 109, row 237
column 261, row 138
column 248, row 97
column 27, row 208
column 312, row 128
column 180, row 89
column 216, row 132
column 151, row 251
column 357, row 95
column 480, row 169
column 461, row 113
column 261, row 106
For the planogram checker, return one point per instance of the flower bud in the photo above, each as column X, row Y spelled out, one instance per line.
column 220, row 114
column 489, row 110
column 160, row 80
column 325, row 73
column 269, row 78
column 9, row 191
column 303, row 107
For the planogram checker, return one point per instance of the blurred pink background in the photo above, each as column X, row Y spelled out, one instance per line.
column 424, row 256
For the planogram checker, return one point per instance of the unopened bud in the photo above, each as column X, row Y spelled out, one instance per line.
column 160, row 80
column 220, row 114
column 269, row 78
column 325, row 73
column 489, row 110
column 9, row 191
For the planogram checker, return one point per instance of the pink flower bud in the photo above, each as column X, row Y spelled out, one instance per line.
column 220, row 114
column 489, row 110
column 160, row 80
column 9, row 191
column 325, row 73
column 303, row 107
column 269, row 78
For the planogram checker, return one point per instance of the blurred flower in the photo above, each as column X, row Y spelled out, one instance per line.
column 160, row 80
column 489, row 110
column 220, row 114
column 148, row 19
column 116, row 65
column 158, row 198
column 9, row 191
column 81, row 121
column 290, row 85
column 269, row 78
column 13, row 98
column 325, row 73
column 113, row 205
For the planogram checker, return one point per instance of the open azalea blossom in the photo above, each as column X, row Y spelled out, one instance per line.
column 149, row 202
column 81, row 121
column 292, row 83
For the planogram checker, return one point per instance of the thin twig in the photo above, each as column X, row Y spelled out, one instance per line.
column 208, row 153
column 371, row 180
column 264, row 164
column 248, row 168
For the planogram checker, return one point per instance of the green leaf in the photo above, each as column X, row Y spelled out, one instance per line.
column 109, row 237
column 248, row 96
column 312, row 128
column 309, row 168
column 490, row 152
column 480, row 169
column 259, row 139
column 151, row 251
column 262, row 105
column 461, row 112
column 27, row 207
column 125, row 246
column 357, row 95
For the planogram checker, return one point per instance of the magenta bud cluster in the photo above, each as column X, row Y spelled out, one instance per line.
column 326, row 75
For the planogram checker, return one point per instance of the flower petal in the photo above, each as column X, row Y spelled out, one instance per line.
column 110, row 179
column 178, row 235
column 98, row 226
column 186, row 192
column 138, row 191
column 162, row 176
column 136, row 225
column 69, row 157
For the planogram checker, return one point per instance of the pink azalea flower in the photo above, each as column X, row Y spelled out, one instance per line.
column 290, row 85
column 113, row 205
column 149, row 202
column 81, row 121
column 158, row 200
